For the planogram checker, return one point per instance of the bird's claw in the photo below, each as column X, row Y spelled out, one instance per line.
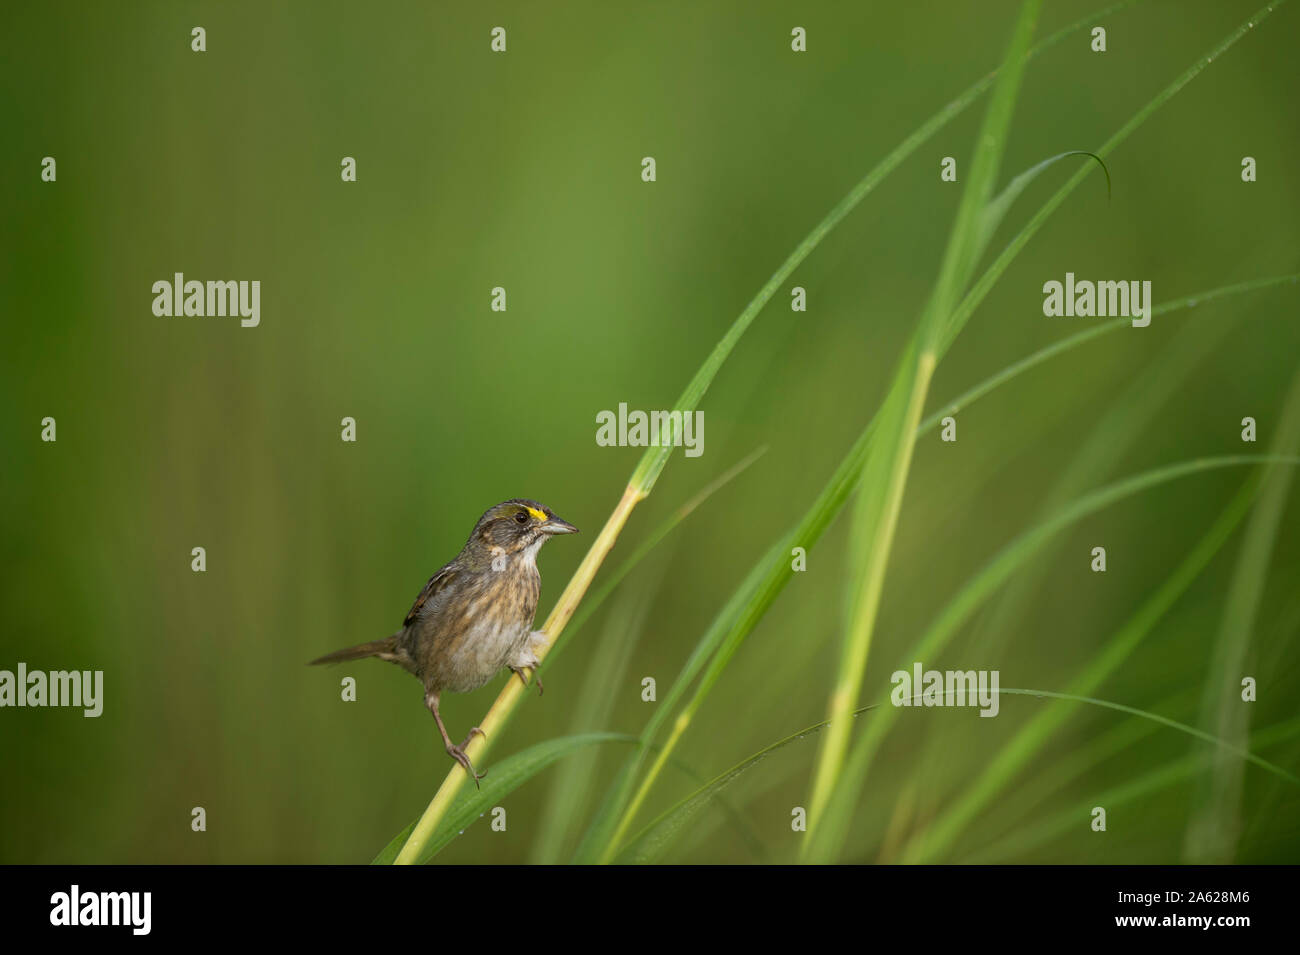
column 536, row 679
column 458, row 754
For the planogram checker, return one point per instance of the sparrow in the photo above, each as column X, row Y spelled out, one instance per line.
column 474, row 617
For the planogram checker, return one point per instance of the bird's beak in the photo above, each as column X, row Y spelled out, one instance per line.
column 557, row 526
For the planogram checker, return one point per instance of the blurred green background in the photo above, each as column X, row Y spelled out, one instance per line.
column 523, row 170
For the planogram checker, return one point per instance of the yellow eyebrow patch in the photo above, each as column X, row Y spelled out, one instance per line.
column 539, row 515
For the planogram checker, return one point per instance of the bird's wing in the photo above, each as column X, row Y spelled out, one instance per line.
column 435, row 584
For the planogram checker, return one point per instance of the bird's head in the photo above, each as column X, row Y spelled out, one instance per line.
column 517, row 525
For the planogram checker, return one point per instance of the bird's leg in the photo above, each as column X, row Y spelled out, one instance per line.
column 455, row 752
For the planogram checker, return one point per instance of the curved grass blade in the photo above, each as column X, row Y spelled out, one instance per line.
column 1170, row 774
column 973, row 394
column 952, row 326
column 1213, row 829
column 1116, row 429
column 825, row 843
column 1129, row 414
column 598, row 596
column 648, row 470
column 997, row 209
column 1070, row 766
column 1201, row 735
column 655, row 839
column 651, row 842
column 767, row 579
column 505, row 777
column 655, row 458
column 985, row 283
column 884, row 476
column 1031, row 737
column 570, row 791
column 499, row 715
column 607, row 825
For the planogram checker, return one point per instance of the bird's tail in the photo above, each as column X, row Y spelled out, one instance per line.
column 385, row 649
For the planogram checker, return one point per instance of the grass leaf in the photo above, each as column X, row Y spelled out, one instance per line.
column 616, row 577
column 989, row 278
column 1029, row 837
column 654, row 840
column 768, row 578
column 824, row 843
column 1214, row 825
column 505, row 777
column 884, row 475
column 763, row 584
column 571, row 790
column 655, row 458
column 996, row 210
column 1031, row 737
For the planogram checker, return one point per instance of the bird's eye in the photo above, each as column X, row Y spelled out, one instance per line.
column 521, row 518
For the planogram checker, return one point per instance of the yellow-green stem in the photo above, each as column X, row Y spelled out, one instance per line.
column 858, row 645
column 679, row 727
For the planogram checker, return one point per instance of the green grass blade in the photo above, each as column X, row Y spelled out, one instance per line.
column 1070, row 342
column 968, row 237
column 655, row 458
column 1031, row 737
column 417, row 841
column 599, row 595
column 1223, row 744
column 570, row 791
column 769, row 576
column 1115, row 430
column 989, row 278
column 1071, row 766
column 767, row 579
column 884, row 477
column 615, row 812
column 505, row 777
column 1215, row 823
column 997, row 209
column 1130, row 413
column 1025, row 839
column 831, row 766
column 654, row 840
column 827, row 841
column 649, row 845
column 647, row 473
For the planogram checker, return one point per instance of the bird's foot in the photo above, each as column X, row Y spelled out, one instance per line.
column 458, row 754
column 523, row 678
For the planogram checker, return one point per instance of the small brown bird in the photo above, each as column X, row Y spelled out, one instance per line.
column 475, row 615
